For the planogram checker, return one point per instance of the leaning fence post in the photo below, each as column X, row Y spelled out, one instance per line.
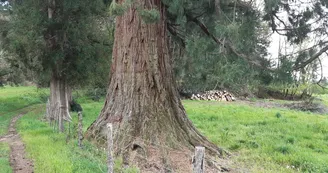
column 199, row 160
column 80, row 127
column 110, row 161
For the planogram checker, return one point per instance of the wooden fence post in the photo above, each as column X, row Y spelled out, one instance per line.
column 110, row 161
column 48, row 111
column 80, row 129
column 199, row 160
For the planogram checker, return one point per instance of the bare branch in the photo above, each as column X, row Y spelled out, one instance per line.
column 175, row 33
column 310, row 48
column 314, row 57
column 226, row 44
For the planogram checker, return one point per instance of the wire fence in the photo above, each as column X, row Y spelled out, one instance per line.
column 97, row 156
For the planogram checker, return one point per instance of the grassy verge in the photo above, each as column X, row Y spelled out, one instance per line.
column 4, row 158
column 6, row 118
column 324, row 98
column 265, row 140
column 52, row 152
column 13, row 101
column 16, row 100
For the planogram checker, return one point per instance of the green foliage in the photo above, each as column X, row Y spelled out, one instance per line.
column 73, row 44
column 95, row 93
column 278, row 115
column 300, row 19
column 297, row 25
column 283, row 149
column 284, row 73
column 149, row 16
column 116, row 9
column 201, row 63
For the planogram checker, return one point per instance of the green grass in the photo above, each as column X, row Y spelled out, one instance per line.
column 4, row 158
column 324, row 98
column 265, row 140
column 259, row 139
column 13, row 101
column 52, row 152
column 16, row 100
column 262, row 140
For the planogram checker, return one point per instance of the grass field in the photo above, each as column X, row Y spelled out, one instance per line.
column 265, row 140
column 52, row 152
column 259, row 139
column 16, row 100
column 4, row 158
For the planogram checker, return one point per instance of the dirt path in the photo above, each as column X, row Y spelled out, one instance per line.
column 18, row 161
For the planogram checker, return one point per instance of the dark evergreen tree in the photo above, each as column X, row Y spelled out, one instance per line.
column 62, row 42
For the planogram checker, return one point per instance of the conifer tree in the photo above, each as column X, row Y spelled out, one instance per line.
column 61, row 41
column 142, row 101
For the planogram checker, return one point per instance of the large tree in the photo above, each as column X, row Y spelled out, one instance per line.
column 62, row 42
column 142, row 102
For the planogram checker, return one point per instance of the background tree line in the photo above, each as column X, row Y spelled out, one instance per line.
column 200, row 44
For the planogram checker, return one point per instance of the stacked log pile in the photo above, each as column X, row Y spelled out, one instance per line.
column 214, row 95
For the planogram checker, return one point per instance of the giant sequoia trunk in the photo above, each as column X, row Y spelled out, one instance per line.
column 60, row 97
column 142, row 100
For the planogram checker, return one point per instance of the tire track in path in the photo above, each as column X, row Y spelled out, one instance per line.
column 18, row 161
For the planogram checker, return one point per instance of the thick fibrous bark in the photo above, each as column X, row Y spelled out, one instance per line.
column 142, row 101
column 59, row 102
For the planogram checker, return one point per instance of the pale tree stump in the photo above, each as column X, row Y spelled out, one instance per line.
column 110, row 161
column 48, row 111
column 199, row 160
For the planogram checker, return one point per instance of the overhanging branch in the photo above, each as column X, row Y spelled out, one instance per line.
column 314, row 57
column 226, row 44
column 175, row 33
